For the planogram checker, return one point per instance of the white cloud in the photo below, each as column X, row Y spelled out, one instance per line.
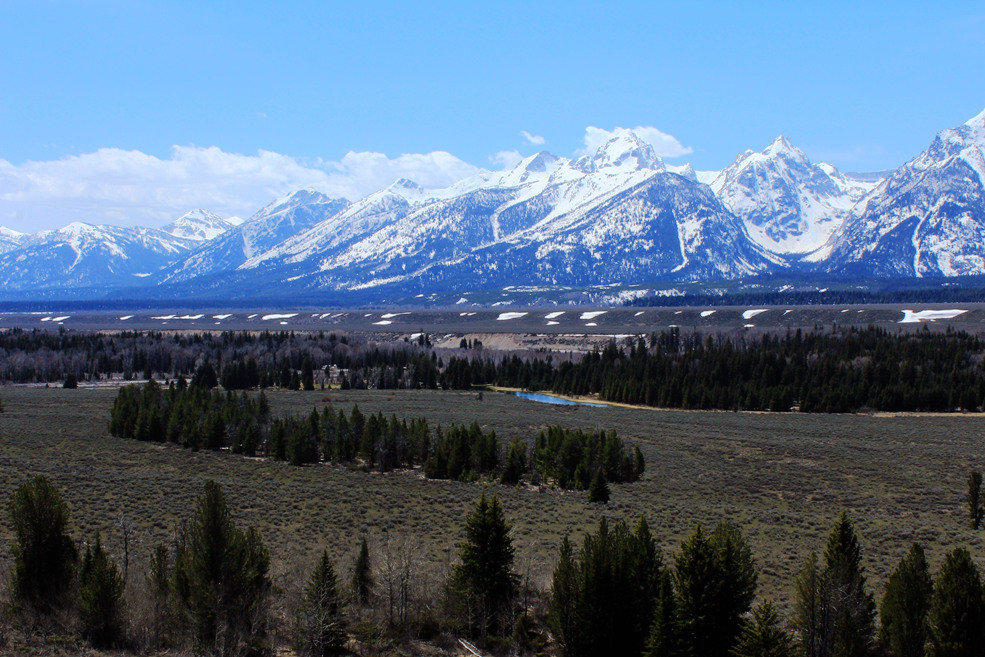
column 664, row 145
column 536, row 140
column 506, row 159
column 131, row 188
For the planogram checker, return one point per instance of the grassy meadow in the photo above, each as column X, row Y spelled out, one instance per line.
column 782, row 478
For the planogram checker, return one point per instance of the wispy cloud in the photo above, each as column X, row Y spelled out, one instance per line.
column 664, row 145
column 536, row 140
column 506, row 159
column 132, row 188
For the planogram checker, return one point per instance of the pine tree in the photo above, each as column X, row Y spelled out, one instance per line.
column 100, row 595
column 905, row 605
column 562, row 615
column 516, row 461
column 762, row 636
column 715, row 580
column 739, row 577
column 484, row 582
column 975, row 508
column 598, row 491
column 834, row 614
column 307, row 375
column 320, row 626
column 957, row 610
column 854, row 607
column 362, row 576
column 811, row 613
column 666, row 638
column 220, row 575
column 44, row 554
column 159, row 587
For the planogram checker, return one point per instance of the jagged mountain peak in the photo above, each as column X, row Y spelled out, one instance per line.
column 781, row 147
column 624, row 150
column 977, row 121
column 199, row 225
column 788, row 204
column 406, row 189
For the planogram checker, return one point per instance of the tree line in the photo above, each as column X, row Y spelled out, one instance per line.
column 198, row 417
column 839, row 370
column 617, row 593
column 843, row 370
column 238, row 359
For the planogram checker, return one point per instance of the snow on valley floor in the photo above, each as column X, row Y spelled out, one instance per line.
column 749, row 314
column 507, row 316
column 911, row 317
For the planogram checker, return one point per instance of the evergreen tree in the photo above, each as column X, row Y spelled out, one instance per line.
column 957, row 610
column 598, row 491
column 307, row 375
column 320, row 626
column 811, row 610
column 762, row 636
column 516, row 461
column 615, row 588
column 362, row 576
column 666, row 638
column 220, row 576
column 44, row 554
column 562, row 615
column 834, row 614
column 100, row 595
column 854, row 607
column 715, row 580
column 484, row 582
column 159, row 588
column 905, row 605
column 205, row 376
column 975, row 508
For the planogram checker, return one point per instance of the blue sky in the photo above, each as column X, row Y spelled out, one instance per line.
column 90, row 89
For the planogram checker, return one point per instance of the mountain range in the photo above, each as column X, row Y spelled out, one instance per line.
column 617, row 216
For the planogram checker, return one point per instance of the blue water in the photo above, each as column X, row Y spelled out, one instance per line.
column 550, row 399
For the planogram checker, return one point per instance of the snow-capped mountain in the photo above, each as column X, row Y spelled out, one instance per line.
column 789, row 205
column 82, row 255
column 277, row 222
column 618, row 215
column 927, row 219
column 199, row 225
column 10, row 239
column 614, row 215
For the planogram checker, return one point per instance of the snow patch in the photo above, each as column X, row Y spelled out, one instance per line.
column 915, row 317
column 590, row 324
column 125, row 318
column 749, row 314
column 383, row 322
column 554, row 315
column 505, row 316
column 592, row 314
column 553, row 323
column 277, row 316
column 707, row 313
column 392, row 315
column 223, row 316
